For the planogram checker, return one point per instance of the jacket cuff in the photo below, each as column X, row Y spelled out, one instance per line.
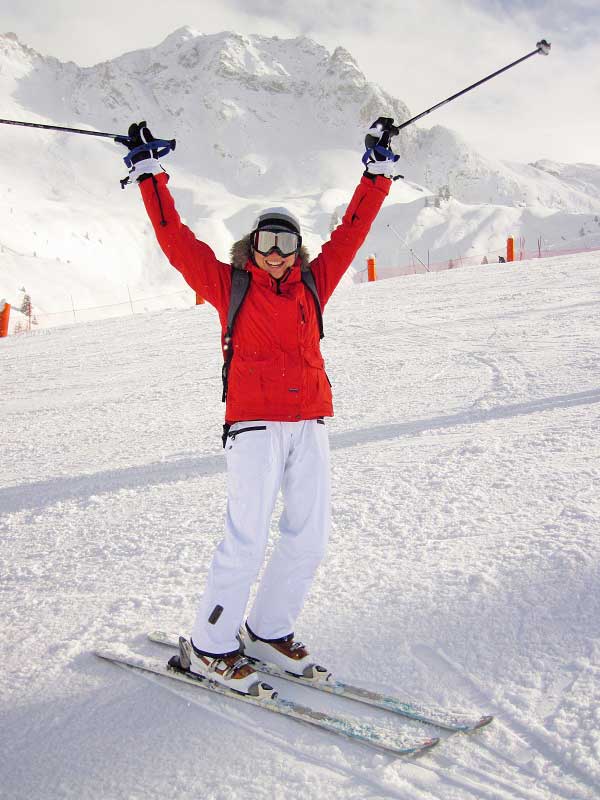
column 379, row 181
column 161, row 177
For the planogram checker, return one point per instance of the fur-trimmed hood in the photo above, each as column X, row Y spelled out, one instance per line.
column 241, row 253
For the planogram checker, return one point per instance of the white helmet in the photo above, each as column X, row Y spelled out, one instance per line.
column 277, row 217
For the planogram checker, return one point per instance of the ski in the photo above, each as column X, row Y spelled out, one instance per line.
column 446, row 719
column 392, row 744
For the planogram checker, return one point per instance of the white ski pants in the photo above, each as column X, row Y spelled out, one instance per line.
column 262, row 459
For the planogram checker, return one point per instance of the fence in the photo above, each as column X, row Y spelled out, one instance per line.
column 417, row 266
column 21, row 322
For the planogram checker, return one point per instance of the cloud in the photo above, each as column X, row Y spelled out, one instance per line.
column 312, row 16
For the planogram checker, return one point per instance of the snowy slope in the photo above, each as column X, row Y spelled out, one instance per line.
column 258, row 121
column 455, row 230
column 463, row 566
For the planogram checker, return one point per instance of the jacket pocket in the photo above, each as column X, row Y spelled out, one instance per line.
column 314, row 359
column 318, row 388
column 249, row 454
column 251, row 385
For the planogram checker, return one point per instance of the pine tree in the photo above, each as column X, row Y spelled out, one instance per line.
column 27, row 309
column 26, row 305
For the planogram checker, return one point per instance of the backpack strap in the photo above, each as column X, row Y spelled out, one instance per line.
column 240, row 283
column 308, row 279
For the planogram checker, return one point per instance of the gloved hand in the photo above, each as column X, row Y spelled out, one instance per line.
column 379, row 158
column 144, row 152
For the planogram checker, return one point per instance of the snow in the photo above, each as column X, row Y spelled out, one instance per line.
column 463, row 567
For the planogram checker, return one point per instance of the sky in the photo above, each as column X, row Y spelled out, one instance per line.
column 420, row 51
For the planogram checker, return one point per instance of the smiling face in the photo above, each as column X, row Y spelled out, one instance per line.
column 275, row 242
column 274, row 264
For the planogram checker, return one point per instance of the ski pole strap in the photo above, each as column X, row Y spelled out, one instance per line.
column 388, row 155
column 158, row 148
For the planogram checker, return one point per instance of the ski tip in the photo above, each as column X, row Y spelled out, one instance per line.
column 158, row 635
column 483, row 722
column 470, row 727
column 103, row 652
column 425, row 747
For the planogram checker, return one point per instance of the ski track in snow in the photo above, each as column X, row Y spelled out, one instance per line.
column 462, row 570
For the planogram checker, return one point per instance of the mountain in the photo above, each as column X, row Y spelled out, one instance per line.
column 439, row 156
column 258, row 120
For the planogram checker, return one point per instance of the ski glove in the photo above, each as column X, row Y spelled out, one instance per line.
column 379, row 158
column 144, row 152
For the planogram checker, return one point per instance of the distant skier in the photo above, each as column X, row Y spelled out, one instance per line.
column 277, row 395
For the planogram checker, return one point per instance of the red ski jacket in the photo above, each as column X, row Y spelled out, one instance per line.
column 277, row 371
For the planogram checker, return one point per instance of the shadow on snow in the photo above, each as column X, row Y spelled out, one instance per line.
column 42, row 494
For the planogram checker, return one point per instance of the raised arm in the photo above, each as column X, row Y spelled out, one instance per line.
column 338, row 253
column 380, row 168
column 194, row 259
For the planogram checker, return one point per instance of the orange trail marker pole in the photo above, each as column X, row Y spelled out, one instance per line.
column 4, row 317
column 510, row 249
column 371, row 270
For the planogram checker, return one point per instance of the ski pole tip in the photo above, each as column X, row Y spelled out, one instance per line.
column 543, row 47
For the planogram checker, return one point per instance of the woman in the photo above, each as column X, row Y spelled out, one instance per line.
column 270, row 301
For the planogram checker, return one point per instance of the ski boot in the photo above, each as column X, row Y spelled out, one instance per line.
column 232, row 670
column 286, row 653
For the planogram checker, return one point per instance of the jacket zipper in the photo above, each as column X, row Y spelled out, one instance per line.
column 279, row 281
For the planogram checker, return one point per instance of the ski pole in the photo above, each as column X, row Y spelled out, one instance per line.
column 408, row 247
column 115, row 136
column 168, row 144
column 542, row 47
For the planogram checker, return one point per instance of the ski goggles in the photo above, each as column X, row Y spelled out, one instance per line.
column 286, row 243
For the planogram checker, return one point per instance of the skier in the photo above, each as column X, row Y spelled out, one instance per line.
column 277, row 397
